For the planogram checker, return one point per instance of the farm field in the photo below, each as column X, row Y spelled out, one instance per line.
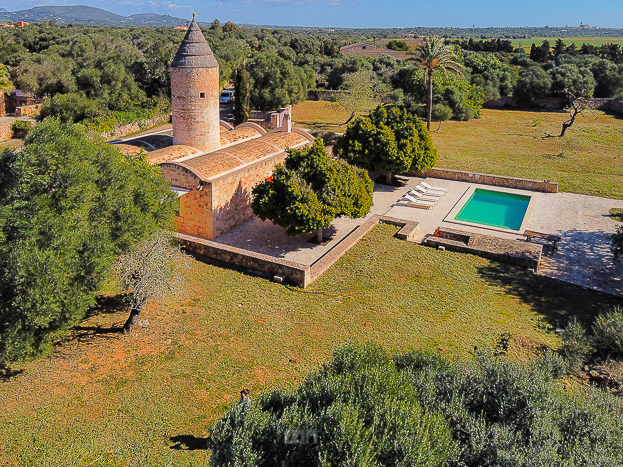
column 149, row 398
column 588, row 160
column 596, row 41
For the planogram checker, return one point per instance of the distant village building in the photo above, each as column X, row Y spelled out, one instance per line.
column 210, row 165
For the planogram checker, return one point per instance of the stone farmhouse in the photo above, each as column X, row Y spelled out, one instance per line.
column 209, row 164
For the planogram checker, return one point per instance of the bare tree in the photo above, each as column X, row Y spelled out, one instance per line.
column 153, row 270
column 362, row 92
column 577, row 106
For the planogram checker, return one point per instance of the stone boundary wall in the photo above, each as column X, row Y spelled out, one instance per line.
column 489, row 179
column 135, row 127
column 28, row 110
column 554, row 103
column 323, row 94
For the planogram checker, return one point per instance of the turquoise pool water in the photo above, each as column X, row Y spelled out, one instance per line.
column 494, row 208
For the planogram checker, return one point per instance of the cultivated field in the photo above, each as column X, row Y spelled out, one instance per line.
column 148, row 399
column 596, row 41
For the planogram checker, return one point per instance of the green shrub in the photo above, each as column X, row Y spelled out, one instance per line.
column 617, row 214
column 362, row 407
column 505, row 413
column 441, row 113
column 576, row 347
column 608, row 332
column 21, row 128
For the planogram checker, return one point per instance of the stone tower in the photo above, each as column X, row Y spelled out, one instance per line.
column 194, row 93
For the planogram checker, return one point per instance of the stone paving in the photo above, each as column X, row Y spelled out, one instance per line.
column 583, row 256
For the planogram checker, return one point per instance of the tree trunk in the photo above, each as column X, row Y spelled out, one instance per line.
column 567, row 124
column 349, row 118
column 389, row 179
column 429, row 113
column 319, row 237
column 134, row 314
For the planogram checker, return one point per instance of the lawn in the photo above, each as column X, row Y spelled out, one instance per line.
column 106, row 399
column 320, row 116
column 588, row 160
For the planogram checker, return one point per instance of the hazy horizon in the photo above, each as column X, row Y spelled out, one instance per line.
column 368, row 14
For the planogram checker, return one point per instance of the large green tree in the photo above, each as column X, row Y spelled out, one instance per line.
column 311, row 190
column 390, row 140
column 434, row 55
column 242, row 96
column 69, row 203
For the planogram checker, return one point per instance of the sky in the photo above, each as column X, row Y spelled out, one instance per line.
column 368, row 13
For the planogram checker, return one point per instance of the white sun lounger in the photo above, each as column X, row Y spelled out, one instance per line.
column 433, row 188
column 426, row 191
column 419, row 203
column 424, row 197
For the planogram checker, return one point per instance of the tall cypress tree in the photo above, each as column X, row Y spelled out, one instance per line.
column 242, row 96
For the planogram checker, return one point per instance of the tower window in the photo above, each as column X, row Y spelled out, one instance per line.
column 202, row 95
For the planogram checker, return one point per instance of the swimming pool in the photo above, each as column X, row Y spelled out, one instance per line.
column 494, row 208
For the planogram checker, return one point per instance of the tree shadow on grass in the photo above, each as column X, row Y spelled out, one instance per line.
column 556, row 301
column 190, row 443
column 7, row 373
column 109, row 304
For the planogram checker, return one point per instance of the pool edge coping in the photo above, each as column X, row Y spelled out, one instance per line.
column 527, row 218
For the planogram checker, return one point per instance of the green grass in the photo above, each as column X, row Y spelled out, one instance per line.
column 320, row 116
column 106, row 399
column 587, row 160
column 596, row 41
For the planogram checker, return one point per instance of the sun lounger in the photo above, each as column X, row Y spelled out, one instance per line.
column 424, row 197
column 433, row 188
column 416, row 203
column 426, row 191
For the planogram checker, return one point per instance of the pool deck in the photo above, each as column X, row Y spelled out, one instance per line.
column 583, row 256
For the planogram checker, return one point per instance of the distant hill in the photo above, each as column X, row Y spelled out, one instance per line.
column 82, row 14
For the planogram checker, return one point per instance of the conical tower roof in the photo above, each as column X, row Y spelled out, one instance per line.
column 194, row 51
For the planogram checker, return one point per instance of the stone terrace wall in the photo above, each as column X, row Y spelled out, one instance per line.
column 296, row 272
column 489, row 179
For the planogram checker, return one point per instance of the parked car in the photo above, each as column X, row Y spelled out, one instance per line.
column 226, row 97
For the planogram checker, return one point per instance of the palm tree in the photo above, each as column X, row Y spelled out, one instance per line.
column 435, row 55
column 5, row 80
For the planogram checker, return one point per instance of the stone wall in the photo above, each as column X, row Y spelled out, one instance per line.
column 5, row 131
column 195, row 214
column 489, row 179
column 296, row 272
column 323, row 94
column 555, row 103
column 135, row 127
column 28, row 110
column 231, row 193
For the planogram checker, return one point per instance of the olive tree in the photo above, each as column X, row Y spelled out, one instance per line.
column 153, row 270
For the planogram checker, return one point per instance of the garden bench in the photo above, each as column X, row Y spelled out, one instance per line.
column 554, row 239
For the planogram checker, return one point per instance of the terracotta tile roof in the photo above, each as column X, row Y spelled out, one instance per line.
column 214, row 163
column 238, row 134
column 149, row 143
column 129, row 149
column 170, row 153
